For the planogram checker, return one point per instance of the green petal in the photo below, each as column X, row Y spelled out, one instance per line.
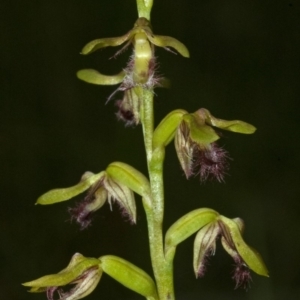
column 60, row 195
column 204, row 244
column 94, row 77
column 251, row 257
column 106, row 42
column 167, row 41
column 234, row 125
column 129, row 275
column 189, row 224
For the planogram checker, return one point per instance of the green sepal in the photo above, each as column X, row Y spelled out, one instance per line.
column 167, row 41
column 105, row 42
column 130, row 177
column 129, row 275
column 189, row 224
column 200, row 133
column 77, row 266
column 165, row 131
column 63, row 194
column 95, row 77
column 251, row 257
column 234, row 125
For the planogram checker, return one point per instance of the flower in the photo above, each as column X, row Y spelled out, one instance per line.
column 140, row 72
column 84, row 272
column 116, row 184
column 230, row 231
column 106, row 189
column 210, row 226
column 196, row 147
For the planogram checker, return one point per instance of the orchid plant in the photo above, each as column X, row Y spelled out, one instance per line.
column 195, row 138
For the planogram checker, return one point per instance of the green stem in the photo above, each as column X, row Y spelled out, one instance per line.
column 163, row 270
column 144, row 8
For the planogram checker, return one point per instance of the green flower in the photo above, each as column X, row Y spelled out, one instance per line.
column 140, row 71
column 116, row 184
column 244, row 257
column 195, row 141
column 210, row 226
column 82, row 272
column 196, row 147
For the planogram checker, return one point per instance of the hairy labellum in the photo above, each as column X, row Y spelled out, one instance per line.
column 81, row 215
column 242, row 275
column 83, row 211
column 212, row 162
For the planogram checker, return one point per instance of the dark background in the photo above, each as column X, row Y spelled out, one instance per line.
column 244, row 65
